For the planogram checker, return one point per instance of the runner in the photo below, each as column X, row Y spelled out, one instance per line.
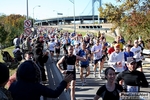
column 51, row 47
column 110, row 90
column 76, row 50
column 136, row 49
column 116, row 59
column 97, row 54
column 84, row 64
column 128, row 53
column 57, row 49
column 70, row 60
column 132, row 78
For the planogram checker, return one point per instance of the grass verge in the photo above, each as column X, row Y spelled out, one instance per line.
column 10, row 50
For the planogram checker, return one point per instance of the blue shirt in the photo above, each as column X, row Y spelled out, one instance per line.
column 128, row 54
column 82, row 54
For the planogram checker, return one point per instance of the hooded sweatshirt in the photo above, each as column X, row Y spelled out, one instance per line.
column 28, row 87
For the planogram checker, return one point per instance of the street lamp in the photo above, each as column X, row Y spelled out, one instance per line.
column 33, row 12
column 27, row 9
column 72, row 1
column 57, row 15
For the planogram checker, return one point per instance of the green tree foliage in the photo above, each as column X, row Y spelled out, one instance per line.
column 10, row 26
column 131, row 16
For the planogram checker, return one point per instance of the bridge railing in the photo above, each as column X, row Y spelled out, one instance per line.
column 55, row 77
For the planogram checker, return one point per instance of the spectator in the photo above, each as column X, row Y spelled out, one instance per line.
column 17, row 53
column 28, row 87
column 27, row 56
column 16, row 41
column 4, row 76
column 40, row 59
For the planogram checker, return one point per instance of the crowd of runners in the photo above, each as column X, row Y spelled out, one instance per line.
column 80, row 52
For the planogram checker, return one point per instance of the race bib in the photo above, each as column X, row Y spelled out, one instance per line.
column 132, row 88
column 70, row 67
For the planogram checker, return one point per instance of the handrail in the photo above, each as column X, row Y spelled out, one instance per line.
column 55, row 77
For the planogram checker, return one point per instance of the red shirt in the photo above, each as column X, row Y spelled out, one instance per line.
column 110, row 50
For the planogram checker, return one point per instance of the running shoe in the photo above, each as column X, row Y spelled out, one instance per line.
column 94, row 75
column 99, row 76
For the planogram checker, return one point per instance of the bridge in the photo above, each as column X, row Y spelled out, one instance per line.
column 67, row 20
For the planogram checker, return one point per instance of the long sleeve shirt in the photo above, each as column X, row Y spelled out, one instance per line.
column 132, row 78
column 114, row 58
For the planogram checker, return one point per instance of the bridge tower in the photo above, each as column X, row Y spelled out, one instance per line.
column 100, row 4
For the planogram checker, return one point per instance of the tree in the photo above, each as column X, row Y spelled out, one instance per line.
column 131, row 16
column 10, row 26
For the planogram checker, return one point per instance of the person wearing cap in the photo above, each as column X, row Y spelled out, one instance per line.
column 28, row 85
column 128, row 53
column 4, row 77
column 116, row 59
column 132, row 78
column 136, row 49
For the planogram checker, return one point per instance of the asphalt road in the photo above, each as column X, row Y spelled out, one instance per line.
column 88, row 91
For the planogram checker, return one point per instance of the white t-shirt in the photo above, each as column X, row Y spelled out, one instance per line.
column 51, row 46
column 137, row 52
column 97, row 55
column 64, row 41
column 76, row 50
column 116, row 57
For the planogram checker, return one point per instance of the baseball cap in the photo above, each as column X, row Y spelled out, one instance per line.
column 131, row 60
column 117, row 46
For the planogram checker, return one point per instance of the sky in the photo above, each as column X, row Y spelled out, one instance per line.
column 49, row 8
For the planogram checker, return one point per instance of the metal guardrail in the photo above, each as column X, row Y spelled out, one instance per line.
column 55, row 77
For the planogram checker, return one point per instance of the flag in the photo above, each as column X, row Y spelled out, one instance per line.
column 59, row 13
column 71, row 1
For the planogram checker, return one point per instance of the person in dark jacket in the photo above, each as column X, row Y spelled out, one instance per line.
column 40, row 59
column 28, row 87
column 4, row 77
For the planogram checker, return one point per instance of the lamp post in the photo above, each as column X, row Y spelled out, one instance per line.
column 33, row 12
column 72, row 1
column 57, row 15
column 27, row 9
